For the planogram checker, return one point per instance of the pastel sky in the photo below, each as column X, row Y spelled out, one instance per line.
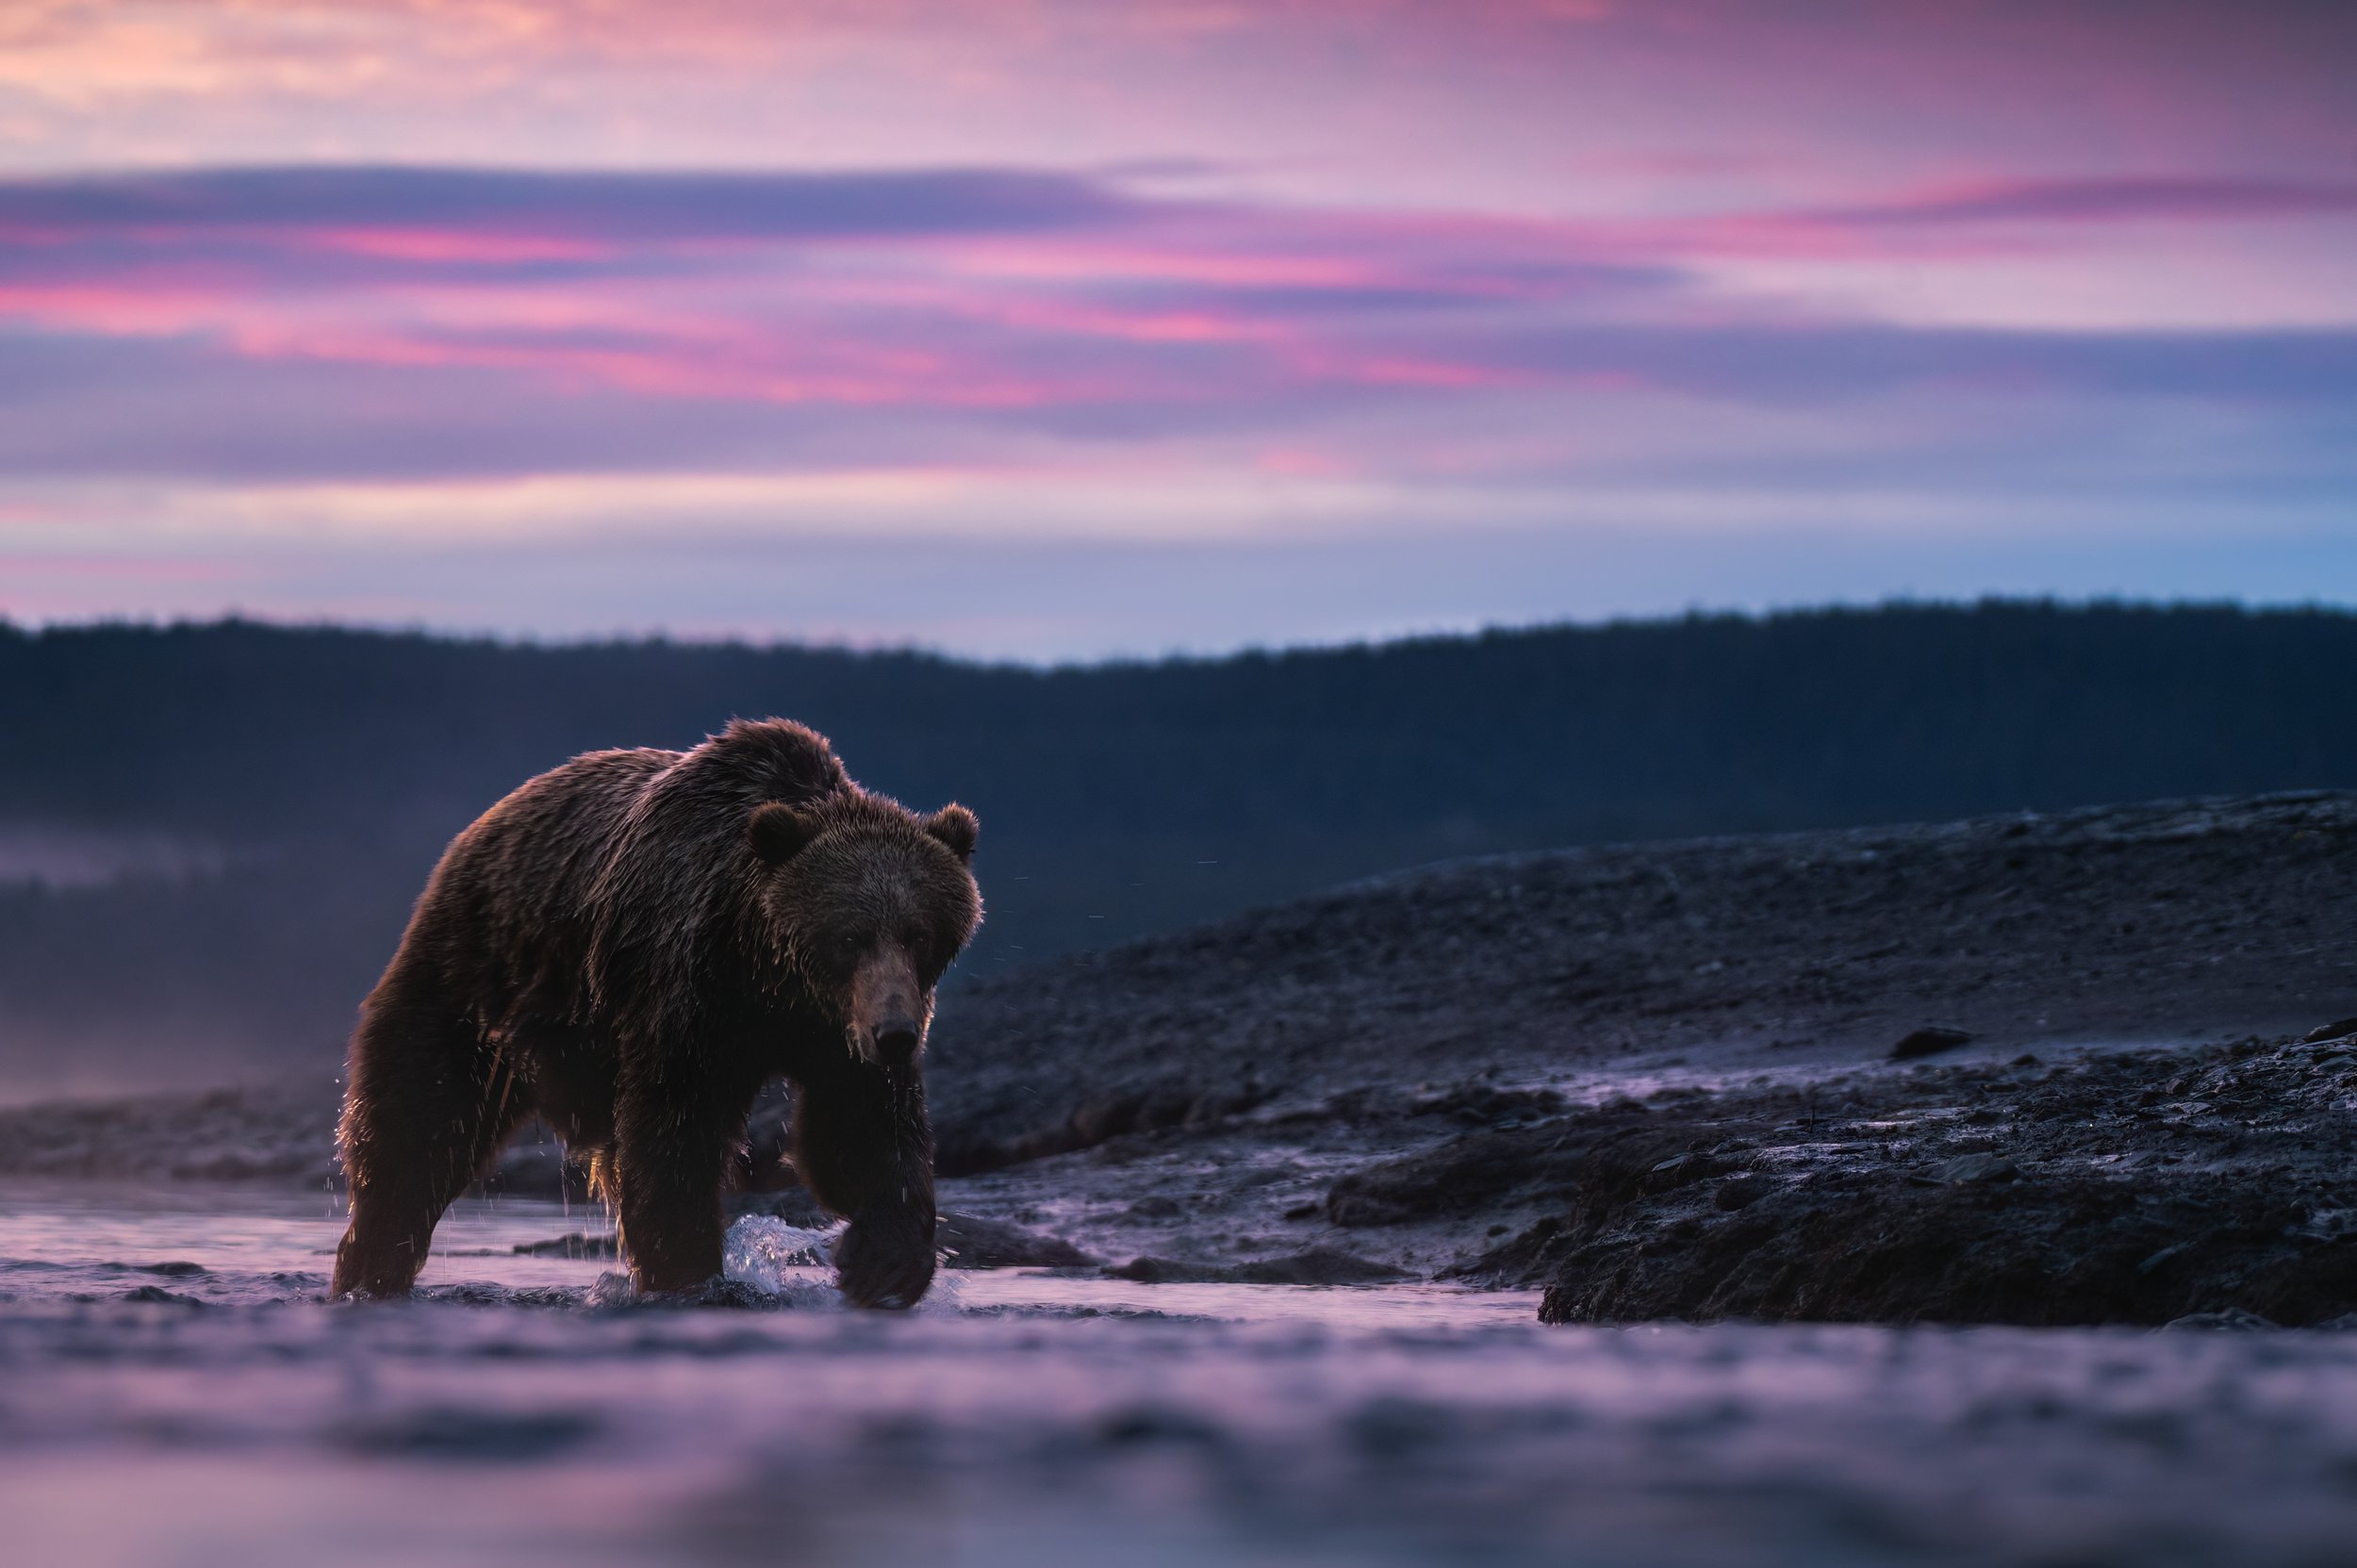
column 1043, row 329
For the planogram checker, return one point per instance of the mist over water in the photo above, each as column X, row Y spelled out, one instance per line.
column 63, row 859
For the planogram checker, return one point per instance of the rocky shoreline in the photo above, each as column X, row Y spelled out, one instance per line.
column 2071, row 1068
column 2141, row 1187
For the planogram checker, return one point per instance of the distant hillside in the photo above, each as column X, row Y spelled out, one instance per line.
column 233, row 817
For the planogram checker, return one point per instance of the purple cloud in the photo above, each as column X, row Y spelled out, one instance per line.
column 363, row 325
column 611, row 207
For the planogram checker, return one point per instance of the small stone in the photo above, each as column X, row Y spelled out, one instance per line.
column 1969, row 1169
column 2233, row 1319
column 157, row 1293
column 1164, row 1271
column 572, row 1245
column 969, row 1241
column 1929, row 1041
column 1678, row 1170
column 1319, row 1265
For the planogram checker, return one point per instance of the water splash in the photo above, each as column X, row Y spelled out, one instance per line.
column 795, row 1263
column 761, row 1250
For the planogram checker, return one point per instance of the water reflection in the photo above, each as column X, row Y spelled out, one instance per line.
column 172, row 1391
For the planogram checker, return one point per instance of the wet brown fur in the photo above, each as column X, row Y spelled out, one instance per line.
column 628, row 947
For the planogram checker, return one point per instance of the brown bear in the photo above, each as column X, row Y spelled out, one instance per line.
column 628, row 947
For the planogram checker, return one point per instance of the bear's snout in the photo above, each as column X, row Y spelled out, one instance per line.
column 887, row 1009
column 896, row 1041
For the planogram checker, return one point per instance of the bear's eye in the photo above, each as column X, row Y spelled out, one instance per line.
column 848, row 944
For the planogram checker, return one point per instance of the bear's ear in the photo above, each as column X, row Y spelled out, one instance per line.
column 777, row 832
column 955, row 826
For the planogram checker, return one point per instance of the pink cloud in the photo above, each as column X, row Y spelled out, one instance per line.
column 654, row 304
column 982, row 292
column 445, row 245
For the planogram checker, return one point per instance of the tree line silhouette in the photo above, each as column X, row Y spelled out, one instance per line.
column 328, row 765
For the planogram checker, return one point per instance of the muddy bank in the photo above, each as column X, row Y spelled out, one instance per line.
column 2173, row 922
column 1869, row 1076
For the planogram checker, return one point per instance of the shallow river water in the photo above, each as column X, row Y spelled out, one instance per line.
column 174, row 1390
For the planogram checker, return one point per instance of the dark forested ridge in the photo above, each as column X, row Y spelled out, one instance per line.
column 324, row 768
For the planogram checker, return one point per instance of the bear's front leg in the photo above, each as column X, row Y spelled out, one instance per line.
column 671, row 1143
column 864, row 1148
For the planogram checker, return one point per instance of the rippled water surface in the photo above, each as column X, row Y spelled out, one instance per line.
column 173, row 1391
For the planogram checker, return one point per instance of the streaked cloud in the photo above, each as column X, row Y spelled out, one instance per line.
column 2099, row 201
column 1050, row 305
column 603, row 209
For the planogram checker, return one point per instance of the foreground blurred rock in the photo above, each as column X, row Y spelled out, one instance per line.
column 2062, row 1068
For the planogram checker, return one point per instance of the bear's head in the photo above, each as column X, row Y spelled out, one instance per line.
column 866, row 904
